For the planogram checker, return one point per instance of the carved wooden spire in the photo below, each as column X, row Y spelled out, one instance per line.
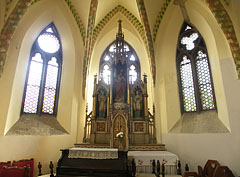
column 120, row 33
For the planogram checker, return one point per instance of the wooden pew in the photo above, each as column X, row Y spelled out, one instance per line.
column 222, row 171
column 208, row 169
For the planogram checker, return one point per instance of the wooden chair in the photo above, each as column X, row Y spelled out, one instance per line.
column 222, row 171
column 15, row 171
column 190, row 174
column 208, row 169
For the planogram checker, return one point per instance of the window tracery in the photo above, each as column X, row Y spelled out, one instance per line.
column 43, row 75
column 195, row 80
column 107, row 58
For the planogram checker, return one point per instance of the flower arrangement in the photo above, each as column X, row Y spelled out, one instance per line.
column 119, row 136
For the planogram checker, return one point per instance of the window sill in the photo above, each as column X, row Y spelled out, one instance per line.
column 35, row 125
column 204, row 122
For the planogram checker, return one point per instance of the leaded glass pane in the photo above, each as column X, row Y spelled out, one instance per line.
column 189, row 41
column 49, row 30
column 132, row 74
column 126, row 48
column 188, row 93
column 204, row 81
column 112, row 48
column 33, row 84
column 106, row 74
column 107, row 58
column 48, row 43
column 132, row 58
column 50, row 86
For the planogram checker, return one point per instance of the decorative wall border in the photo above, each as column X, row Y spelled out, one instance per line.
column 9, row 29
column 144, row 18
column 159, row 18
column 134, row 21
column 226, row 25
column 88, row 42
column 77, row 19
column 99, row 27
column 8, row 3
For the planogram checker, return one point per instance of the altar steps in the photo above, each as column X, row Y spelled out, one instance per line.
column 139, row 147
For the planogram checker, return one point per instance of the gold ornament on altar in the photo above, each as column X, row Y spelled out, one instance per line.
column 120, row 137
column 120, row 116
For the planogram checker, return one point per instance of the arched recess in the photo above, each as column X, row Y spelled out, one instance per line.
column 167, row 87
column 13, row 77
column 107, row 36
column 139, row 28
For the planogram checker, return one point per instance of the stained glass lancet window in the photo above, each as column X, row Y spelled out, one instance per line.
column 106, row 61
column 43, row 76
column 195, row 81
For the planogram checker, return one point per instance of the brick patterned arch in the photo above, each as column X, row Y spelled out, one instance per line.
column 9, row 29
column 223, row 20
column 77, row 19
column 159, row 18
column 133, row 20
column 226, row 25
column 14, row 19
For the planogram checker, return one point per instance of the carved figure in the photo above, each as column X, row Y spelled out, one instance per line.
column 120, row 87
column 102, row 104
column 137, row 106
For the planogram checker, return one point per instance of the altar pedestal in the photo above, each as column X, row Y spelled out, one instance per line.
column 87, row 166
column 143, row 160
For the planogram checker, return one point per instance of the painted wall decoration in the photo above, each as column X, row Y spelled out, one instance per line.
column 88, row 42
column 144, row 18
column 159, row 18
column 133, row 20
column 77, row 19
column 226, row 25
column 9, row 29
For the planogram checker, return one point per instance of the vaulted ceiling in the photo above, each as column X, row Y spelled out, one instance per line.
column 91, row 17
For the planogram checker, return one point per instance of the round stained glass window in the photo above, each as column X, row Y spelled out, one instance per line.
column 48, row 43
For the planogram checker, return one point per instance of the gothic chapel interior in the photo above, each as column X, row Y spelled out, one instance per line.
column 158, row 71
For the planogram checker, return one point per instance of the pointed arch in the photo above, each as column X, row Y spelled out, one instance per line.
column 77, row 19
column 9, row 29
column 106, row 61
column 44, row 73
column 134, row 21
column 194, row 72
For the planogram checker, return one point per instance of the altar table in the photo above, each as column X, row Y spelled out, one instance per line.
column 143, row 160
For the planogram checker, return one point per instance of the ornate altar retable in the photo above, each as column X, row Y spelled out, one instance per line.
column 120, row 116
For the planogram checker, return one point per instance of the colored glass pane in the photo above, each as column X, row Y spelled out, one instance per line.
column 50, row 86
column 188, row 93
column 33, row 84
column 204, row 81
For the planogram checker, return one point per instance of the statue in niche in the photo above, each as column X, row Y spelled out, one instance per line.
column 137, row 105
column 102, row 99
column 120, row 87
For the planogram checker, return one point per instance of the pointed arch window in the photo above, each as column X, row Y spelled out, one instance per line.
column 106, row 62
column 194, row 75
column 43, row 75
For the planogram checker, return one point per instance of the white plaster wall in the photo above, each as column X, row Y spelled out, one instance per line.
column 196, row 149
column 70, row 110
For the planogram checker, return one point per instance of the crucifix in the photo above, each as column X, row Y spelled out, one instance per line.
column 181, row 3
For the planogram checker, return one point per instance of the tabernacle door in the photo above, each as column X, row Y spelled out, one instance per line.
column 118, row 127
